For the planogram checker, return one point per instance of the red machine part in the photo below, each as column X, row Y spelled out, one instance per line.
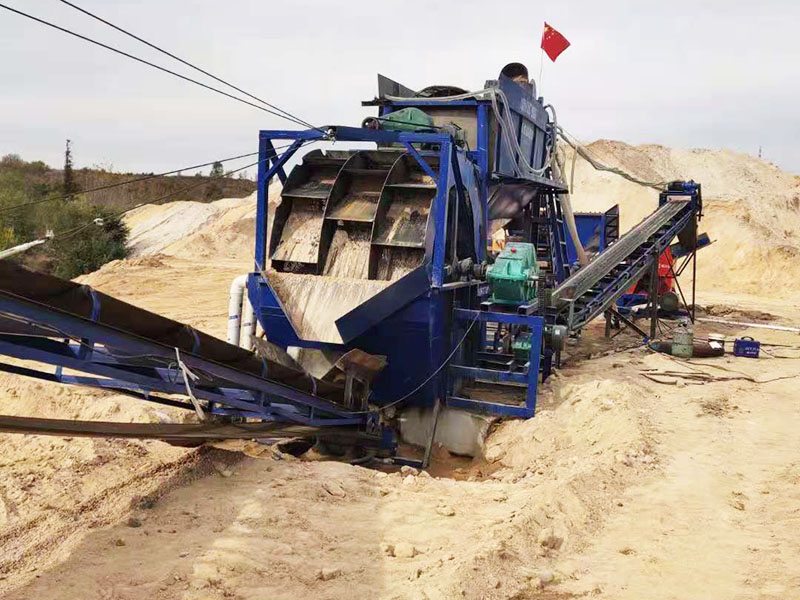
column 666, row 281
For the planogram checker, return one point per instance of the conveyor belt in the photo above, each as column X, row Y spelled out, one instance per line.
column 176, row 433
column 83, row 301
column 588, row 276
column 594, row 288
column 125, row 348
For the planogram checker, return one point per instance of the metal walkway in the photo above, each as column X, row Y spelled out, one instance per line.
column 595, row 287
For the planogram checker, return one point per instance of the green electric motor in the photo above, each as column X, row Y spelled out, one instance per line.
column 413, row 120
column 522, row 346
column 407, row 119
column 513, row 275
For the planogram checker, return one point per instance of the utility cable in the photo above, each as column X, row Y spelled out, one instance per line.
column 62, row 235
column 188, row 375
column 150, row 64
column 70, row 232
column 126, row 182
column 587, row 156
column 188, row 64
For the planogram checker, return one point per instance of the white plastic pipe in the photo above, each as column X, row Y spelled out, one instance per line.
column 21, row 248
column 248, row 324
column 235, row 309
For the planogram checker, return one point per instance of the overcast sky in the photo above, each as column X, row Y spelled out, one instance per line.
column 712, row 74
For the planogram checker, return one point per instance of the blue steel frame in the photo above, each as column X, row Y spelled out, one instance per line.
column 444, row 178
column 424, row 291
column 528, row 375
column 432, row 275
column 131, row 368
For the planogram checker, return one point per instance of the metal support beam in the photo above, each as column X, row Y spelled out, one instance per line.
column 429, row 447
column 690, row 312
column 628, row 322
column 654, row 298
column 694, row 276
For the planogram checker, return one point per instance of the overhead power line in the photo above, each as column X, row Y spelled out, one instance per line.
column 187, row 63
column 150, row 64
column 584, row 153
column 70, row 232
column 126, row 182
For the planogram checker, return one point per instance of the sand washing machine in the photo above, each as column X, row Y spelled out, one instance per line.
column 373, row 283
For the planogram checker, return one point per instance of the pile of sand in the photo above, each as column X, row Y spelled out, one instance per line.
column 334, row 530
column 752, row 210
column 221, row 229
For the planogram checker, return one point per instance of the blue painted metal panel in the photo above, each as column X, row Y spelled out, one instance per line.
column 530, row 128
column 439, row 210
column 385, row 303
column 591, row 231
column 414, row 344
column 482, row 155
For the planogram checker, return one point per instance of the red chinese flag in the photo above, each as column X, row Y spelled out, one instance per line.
column 553, row 42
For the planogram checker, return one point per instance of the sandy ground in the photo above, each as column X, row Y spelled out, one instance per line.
column 55, row 491
column 619, row 488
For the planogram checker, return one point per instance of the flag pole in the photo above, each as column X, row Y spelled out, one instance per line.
column 539, row 81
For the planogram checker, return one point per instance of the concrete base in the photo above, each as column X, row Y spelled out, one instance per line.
column 459, row 431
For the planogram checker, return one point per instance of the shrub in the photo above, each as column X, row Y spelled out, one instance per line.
column 86, row 245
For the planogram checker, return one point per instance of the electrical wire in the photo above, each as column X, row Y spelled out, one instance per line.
column 188, row 64
column 121, row 183
column 62, row 235
column 584, row 153
column 73, row 231
column 702, row 376
column 151, row 64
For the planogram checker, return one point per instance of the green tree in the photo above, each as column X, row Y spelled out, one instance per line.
column 217, row 170
column 94, row 235
column 70, row 186
column 18, row 225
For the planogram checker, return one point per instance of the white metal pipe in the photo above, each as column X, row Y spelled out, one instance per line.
column 235, row 309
